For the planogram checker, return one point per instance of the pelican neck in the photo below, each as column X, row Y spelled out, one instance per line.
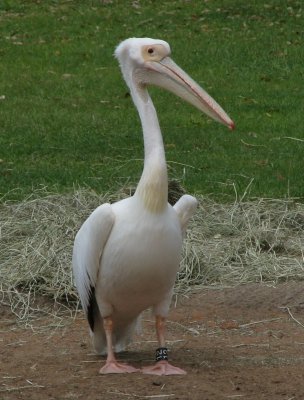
column 153, row 185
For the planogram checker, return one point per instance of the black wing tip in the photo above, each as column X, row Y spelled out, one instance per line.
column 92, row 308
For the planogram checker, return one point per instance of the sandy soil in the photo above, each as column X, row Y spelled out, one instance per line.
column 236, row 343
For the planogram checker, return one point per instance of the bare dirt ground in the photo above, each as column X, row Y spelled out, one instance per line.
column 245, row 342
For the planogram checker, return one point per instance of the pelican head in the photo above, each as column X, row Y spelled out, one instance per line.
column 145, row 61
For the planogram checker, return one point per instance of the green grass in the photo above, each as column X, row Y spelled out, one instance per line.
column 66, row 119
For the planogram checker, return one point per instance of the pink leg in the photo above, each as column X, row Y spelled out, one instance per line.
column 162, row 367
column 112, row 366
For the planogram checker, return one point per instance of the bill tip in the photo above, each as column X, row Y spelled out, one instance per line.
column 231, row 125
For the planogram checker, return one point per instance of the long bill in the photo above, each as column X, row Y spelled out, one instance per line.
column 170, row 76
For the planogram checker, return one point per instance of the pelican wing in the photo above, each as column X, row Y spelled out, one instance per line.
column 88, row 248
column 185, row 208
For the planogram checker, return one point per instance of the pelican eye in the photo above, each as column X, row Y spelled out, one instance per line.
column 153, row 52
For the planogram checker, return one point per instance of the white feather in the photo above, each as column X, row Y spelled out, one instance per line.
column 88, row 247
column 185, row 208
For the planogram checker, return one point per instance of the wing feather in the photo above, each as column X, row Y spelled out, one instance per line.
column 88, row 247
column 185, row 208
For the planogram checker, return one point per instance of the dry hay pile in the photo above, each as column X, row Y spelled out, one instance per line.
column 247, row 242
column 227, row 244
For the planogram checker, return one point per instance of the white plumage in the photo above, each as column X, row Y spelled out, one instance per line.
column 126, row 255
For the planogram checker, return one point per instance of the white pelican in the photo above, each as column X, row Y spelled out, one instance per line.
column 126, row 255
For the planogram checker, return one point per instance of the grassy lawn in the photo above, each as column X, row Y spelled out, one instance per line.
column 67, row 120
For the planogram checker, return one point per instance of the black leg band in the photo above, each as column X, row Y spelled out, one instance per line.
column 161, row 354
